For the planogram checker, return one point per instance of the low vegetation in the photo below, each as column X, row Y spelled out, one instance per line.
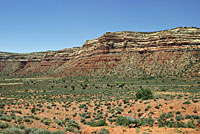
column 69, row 104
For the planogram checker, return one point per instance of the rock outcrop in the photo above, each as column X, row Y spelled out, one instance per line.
column 161, row 53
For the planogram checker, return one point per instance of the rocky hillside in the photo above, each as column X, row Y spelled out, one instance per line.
column 173, row 52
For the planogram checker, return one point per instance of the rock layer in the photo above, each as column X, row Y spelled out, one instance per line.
column 141, row 53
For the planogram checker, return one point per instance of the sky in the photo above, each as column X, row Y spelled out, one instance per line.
column 42, row 25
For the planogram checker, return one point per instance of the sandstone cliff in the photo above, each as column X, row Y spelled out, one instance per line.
column 173, row 52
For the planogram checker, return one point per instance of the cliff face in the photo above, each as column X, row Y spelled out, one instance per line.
column 163, row 53
column 178, row 38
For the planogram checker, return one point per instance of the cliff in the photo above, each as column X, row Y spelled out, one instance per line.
column 173, row 52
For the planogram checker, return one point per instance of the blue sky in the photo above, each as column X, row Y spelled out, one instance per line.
column 40, row 25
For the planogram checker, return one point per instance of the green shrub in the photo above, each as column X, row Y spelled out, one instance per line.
column 102, row 123
column 3, row 125
column 27, row 119
column 198, row 121
column 145, row 133
column 179, row 117
column 144, row 94
column 99, row 123
column 187, row 102
column 122, row 121
column 57, row 132
column 125, row 121
column 42, row 131
column 12, row 130
column 73, row 124
column 29, row 130
column 195, row 111
column 19, row 119
column 132, row 120
column 195, row 101
column 103, row 131
column 181, row 125
column 70, row 129
column 163, row 116
column 59, row 122
column 67, row 119
column 147, row 108
column 190, row 124
column 119, row 110
column 6, row 118
column 126, row 101
column 46, row 121
column 147, row 121
column 157, row 107
column 82, row 120
column 169, row 114
column 2, row 105
column 21, row 126
column 187, row 116
column 178, row 112
column 195, row 116
column 33, row 110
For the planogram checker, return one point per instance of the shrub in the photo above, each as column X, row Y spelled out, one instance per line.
column 73, row 124
column 57, row 132
column 67, row 119
column 102, row 123
column 169, row 114
column 179, row 117
column 19, row 119
column 29, row 130
column 99, row 123
column 82, row 120
column 27, row 119
column 163, row 116
column 195, row 101
column 119, row 110
column 12, row 130
column 2, row 105
column 195, row 116
column 198, row 121
column 181, row 125
column 70, row 129
column 21, row 126
column 132, row 120
column 125, row 121
column 190, row 124
column 195, row 111
column 46, row 121
column 33, row 110
column 129, row 111
column 6, row 118
column 59, row 122
column 147, row 108
column 157, row 107
column 126, row 101
column 147, row 121
column 187, row 102
column 103, row 131
column 42, row 131
column 187, row 116
column 144, row 94
column 178, row 112
column 3, row 125
column 145, row 133
column 122, row 121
